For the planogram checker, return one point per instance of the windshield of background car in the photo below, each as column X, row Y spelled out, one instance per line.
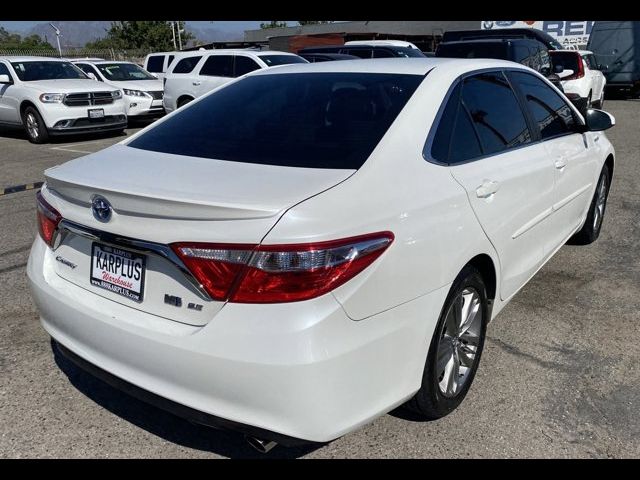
column 37, row 70
column 121, row 72
column 473, row 50
column 312, row 120
column 568, row 60
column 273, row 60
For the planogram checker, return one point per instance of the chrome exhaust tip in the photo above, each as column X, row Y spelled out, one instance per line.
column 263, row 446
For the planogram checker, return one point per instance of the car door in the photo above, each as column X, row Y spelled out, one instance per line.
column 216, row 70
column 568, row 150
column 509, row 180
column 9, row 104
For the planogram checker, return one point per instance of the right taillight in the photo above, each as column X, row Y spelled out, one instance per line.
column 48, row 219
column 280, row 273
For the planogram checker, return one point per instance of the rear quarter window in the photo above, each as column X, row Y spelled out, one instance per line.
column 155, row 63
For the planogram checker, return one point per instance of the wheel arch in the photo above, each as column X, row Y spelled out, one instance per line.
column 27, row 103
column 609, row 163
column 485, row 265
column 181, row 98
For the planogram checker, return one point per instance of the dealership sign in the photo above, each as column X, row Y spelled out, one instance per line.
column 568, row 33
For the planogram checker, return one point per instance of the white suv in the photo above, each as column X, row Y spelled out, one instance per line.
column 194, row 75
column 49, row 96
column 142, row 91
column 581, row 79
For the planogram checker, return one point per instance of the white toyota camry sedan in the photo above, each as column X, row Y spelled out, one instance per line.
column 311, row 246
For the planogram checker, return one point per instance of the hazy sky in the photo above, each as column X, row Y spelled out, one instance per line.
column 239, row 26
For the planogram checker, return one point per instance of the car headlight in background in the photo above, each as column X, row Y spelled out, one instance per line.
column 52, row 97
column 135, row 93
column 116, row 94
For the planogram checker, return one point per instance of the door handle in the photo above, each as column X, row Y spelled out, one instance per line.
column 487, row 189
column 560, row 163
column 196, row 83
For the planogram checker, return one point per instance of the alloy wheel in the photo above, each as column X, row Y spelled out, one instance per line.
column 601, row 201
column 458, row 346
column 32, row 125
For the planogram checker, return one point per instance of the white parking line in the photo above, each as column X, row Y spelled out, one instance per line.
column 66, row 149
column 69, row 150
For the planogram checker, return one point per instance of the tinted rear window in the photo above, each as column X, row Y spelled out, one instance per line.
column 568, row 60
column 155, row 63
column 473, row 50
column 320, row 120
column 273, row 60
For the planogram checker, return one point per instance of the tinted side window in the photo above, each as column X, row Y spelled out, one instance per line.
column 464, row 141
column 171, row 57
column 520, row 53
column 551, row 113
column 382, row 53
column 455, row 140
column 442, row 137
column 155, row 63
column 186, row 65
column 495, row 112
column 218, row 66
column 359, row 52
column 4, row 70
column 245, row 65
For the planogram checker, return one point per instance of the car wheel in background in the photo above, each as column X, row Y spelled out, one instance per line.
column 34, row 126
column 183, row 101
column 590, row 231
column 455, row 348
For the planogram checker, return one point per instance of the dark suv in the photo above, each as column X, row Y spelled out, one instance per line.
column 526, row 51
column 365, row 51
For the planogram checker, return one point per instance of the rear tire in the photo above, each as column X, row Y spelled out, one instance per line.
column 590, row 231
column 34, row 126
column 183, row 101
column 455, row 349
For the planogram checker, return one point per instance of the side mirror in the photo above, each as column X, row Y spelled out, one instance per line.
column 92, row 76
column 5, row 79
column 558, row 68
column 598, row 120
column 154, row 74
column 565, row 73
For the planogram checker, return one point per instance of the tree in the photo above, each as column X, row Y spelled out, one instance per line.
column 155, row 36
column 273, row 24
column 307, row 22
column 13, row 41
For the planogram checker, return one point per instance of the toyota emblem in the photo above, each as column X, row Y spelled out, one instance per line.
column 101, row 208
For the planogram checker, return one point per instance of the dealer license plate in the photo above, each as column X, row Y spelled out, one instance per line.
column 117, row 270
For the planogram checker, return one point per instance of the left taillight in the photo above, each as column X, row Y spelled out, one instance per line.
column 48, row 219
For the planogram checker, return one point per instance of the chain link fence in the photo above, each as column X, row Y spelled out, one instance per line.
column 136, row 56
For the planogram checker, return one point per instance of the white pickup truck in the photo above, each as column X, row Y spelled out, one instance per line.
column 49, row 96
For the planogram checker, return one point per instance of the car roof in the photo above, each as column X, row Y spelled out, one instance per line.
column 581, row 52
column 98, row 62
column 489, row 40
column 23, row 58
column 408, row 66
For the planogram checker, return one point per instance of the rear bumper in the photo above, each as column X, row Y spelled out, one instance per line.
column 177, row 409
column 286, row 372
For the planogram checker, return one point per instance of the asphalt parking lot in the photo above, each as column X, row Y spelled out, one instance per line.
column 559, row 377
